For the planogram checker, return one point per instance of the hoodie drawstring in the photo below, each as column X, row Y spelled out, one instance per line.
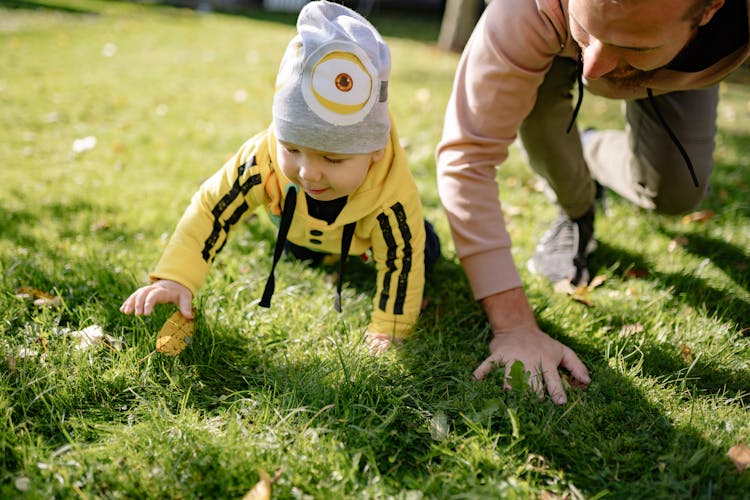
column 346, row 242
column 673, row 137
column 662, row 121
column 286, row 221
column 579, row 78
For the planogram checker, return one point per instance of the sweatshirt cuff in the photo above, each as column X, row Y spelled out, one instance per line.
column 175, row 263
column 491, row 272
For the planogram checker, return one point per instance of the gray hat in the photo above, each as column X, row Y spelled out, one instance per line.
column 332, row 86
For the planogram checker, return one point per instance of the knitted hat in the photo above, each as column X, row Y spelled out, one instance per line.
column 332, row 86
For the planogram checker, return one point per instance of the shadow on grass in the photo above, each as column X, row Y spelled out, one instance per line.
column 610, row 438
column 661, row 359
column 30, row 5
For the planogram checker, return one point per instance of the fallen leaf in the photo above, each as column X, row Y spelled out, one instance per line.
column 175, row 335
column 628, row 330
column 40, row 298
column 636, row 273
column 262, row 489
column 84, row 144
column 701, row 216
column 581, row 293
column 678, row 242
column 686, row 352
column 93, row 336
column 740, row 455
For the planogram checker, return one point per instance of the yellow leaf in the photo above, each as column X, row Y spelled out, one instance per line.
column 262, row 489
column 701, row 216
column 175, row 335
column 740, row 455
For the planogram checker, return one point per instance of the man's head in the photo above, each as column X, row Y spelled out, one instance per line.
column 332, row 86
column 624, row 41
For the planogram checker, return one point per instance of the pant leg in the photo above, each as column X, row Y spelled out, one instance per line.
column 552, row 153
column 643, row 165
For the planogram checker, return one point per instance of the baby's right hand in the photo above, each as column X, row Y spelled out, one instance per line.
column 143, row 300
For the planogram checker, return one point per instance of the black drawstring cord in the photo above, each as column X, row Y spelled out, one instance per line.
column 579, row 77
column 346, row 243
column 672, row 136
column 286, row 221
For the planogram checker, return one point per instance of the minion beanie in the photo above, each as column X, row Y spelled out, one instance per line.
column 332, row 86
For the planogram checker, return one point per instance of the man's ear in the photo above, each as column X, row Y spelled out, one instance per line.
column 709, row 12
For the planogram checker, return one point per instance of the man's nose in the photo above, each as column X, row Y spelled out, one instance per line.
column 598, row 60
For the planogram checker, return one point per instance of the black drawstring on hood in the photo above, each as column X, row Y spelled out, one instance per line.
column 287, row 213
column 286, row 221
column 662, row 121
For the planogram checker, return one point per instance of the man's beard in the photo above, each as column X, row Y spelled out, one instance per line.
column 631, row 80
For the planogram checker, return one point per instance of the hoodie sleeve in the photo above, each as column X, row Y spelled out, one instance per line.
column 222, row 201
column 398, row 250
column 495, row 86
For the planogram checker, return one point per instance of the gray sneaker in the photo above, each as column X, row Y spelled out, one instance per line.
column 561, row 254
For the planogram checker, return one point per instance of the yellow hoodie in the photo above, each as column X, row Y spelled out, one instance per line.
column 386, row 209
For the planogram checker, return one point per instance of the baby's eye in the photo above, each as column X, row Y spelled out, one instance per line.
column 291, row 150
column 333, row 160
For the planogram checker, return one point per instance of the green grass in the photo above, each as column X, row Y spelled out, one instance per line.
column 293, row 388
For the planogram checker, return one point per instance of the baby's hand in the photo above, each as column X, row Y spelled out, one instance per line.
column 143, row 300
column 379, row 342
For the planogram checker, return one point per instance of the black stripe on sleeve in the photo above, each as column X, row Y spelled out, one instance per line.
column 403, row 278
column 225, row 201
column 390, row 242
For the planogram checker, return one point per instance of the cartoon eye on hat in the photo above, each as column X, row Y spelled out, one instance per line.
column 340, row 86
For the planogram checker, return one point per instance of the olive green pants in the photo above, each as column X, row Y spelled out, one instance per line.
column 640, row 163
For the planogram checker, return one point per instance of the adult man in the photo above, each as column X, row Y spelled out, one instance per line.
column 664, row 58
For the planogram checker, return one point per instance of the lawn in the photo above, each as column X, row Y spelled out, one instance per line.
column 112, row 113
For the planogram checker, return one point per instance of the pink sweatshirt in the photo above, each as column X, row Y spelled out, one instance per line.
column 495, row 88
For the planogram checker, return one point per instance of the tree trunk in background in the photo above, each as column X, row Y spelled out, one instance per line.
column 459, row 19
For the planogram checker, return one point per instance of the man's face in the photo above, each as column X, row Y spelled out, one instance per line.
column 624, row 42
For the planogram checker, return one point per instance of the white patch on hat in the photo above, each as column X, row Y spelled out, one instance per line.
column 339, row 83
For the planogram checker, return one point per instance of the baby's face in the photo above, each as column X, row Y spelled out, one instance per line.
column 324, row 176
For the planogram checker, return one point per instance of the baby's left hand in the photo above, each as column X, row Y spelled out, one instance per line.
column 379, row 342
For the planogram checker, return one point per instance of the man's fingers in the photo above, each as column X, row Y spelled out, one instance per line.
column 537, row 381
column 575, row 366
column 485, row 368
column 554, row 386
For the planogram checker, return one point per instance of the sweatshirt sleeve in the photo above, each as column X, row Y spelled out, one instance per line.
column 222, row 201
column 398, row 250
column 495, row 87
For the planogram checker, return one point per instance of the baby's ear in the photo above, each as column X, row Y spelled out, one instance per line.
column 378, row 155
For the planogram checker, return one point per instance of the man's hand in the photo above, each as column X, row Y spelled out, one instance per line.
column 518, row 338
column 143, row 300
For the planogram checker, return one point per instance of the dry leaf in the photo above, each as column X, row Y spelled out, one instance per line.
column 580, row 293
column 262, row 489
column 93, row 336
column 686, row 352
column 636, row 273
column 678, row 242
column 628, row 330
column 39, row 297
column 175, row 335
column 740, row 455
column 700, row 216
